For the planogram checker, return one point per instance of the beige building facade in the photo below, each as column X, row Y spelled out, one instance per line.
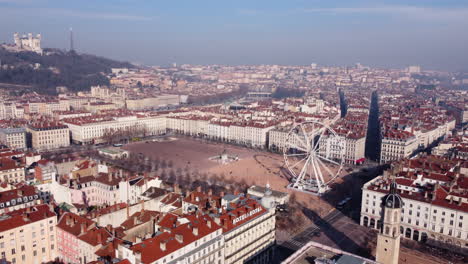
column 28, row 236
column 49, row 135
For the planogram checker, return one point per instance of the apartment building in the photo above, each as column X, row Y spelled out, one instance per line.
column 435, row 206
column 79, row 239
column 248, row 225
column 14, row 138
column 45, row 171
column 11, row 110
column 47, row 107
column 198, row 239
column 11, row 170
column 396, row 145
column 47, row 135
column 18, row 198
column 248, row 230
column 28, row 235
column 91, row 129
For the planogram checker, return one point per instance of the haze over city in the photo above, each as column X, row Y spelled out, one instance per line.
column 385, row 34
column 233, row 132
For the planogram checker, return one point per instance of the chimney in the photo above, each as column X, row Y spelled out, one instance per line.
column 26, row 217
column 199, row 189
column 99, row 238
column 210, row 192
column 176, row 188
column 20, row 192
column 162, row 245
column 179, row 238
column 135, row 220
column 221, row 194
column 208, row 223
column 195, row 231
column 217, row 220
column 110, row 176
column 83, row 228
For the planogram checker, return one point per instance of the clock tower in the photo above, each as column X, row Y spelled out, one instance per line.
column 388, row 239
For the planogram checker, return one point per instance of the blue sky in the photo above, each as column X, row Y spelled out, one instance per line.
column 328, row 32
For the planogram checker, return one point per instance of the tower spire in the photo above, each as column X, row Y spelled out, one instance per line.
column 71, row 39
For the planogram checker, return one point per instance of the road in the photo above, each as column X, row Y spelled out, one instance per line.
column 311, row 232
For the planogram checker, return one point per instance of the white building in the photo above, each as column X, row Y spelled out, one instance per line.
column 396, row 145
column 87, row 130
column 28, row 43
column 435, row 209
column 14, row 138
column 194, row 239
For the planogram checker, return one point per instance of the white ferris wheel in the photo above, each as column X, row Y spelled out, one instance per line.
column 314, row 155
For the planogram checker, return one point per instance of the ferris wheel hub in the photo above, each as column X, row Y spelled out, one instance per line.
column 314, row 156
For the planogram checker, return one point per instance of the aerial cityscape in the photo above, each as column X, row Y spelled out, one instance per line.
column 196, row 153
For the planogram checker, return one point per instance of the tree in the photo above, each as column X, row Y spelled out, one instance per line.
column 163, row 164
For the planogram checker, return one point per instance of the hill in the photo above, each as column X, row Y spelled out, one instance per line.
column 57, row 68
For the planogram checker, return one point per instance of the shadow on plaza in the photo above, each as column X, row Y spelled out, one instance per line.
column 337, row 237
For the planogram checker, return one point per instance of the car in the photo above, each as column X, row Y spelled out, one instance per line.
column 118, row 145
column 342, row 203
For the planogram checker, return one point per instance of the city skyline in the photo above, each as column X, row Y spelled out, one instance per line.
column 390, row 34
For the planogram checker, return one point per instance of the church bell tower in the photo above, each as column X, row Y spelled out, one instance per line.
column 388, row 240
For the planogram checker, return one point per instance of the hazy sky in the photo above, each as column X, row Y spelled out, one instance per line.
column 431, row 33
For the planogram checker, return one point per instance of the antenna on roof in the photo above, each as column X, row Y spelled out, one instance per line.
column 71, row 39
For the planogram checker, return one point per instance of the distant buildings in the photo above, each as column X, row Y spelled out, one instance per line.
column 414, row 69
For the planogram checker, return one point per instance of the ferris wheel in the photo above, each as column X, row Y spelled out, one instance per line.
column 314, row 156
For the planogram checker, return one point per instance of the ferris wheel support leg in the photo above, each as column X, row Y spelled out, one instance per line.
column 326, row 168
column 300, row 178
column 318, row 175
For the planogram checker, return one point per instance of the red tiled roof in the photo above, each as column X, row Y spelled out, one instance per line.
column 198, row 227
column 26, row 190
column 25, row 216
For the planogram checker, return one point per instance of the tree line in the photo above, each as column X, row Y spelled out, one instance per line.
column 75, row 71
